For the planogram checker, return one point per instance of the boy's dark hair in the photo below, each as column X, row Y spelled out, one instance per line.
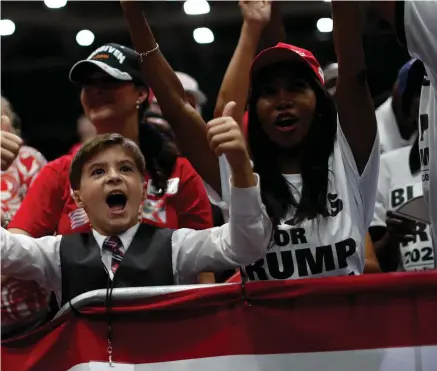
column 98, row 144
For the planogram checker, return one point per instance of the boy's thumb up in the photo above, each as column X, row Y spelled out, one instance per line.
column 229, row 109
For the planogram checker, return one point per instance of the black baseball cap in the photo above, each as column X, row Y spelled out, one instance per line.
column 118, row 61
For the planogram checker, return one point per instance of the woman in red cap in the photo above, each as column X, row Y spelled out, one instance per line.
column 266, row 67
column 318, row 171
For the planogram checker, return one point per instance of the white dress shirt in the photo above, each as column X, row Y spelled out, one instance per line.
column 242, row 241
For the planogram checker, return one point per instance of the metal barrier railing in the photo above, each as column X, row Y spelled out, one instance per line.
column 98, row 297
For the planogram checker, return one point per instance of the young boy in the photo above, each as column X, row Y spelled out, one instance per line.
column 107, row 181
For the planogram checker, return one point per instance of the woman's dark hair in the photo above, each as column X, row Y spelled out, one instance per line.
column 317, row 148
column 157, row 150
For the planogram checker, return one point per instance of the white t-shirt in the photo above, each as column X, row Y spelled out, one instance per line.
column 396, row 185
column 389, row 135
column 332, row 246
column 420, row 22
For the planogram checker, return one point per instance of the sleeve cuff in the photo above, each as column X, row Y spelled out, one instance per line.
column 246, row 201
column 214, row 197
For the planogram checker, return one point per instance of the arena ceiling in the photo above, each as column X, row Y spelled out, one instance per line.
column 36, row 58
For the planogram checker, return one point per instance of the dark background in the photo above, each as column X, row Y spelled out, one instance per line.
column 36, row 59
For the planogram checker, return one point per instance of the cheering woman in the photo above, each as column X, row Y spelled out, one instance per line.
column 318, row 169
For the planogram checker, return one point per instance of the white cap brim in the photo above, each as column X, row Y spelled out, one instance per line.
column 79, row 70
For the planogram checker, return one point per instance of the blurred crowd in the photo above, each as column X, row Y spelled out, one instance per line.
column 297, row 176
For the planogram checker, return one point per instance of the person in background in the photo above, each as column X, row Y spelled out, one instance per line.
column 114, row 98
column 195, row 96
column 397, row 116
column 17, row 179
column 401, row 245
column 331, row 76
column 290, row 114
column 85, row 131
column 154, row 117
column 17, row 314
column 416, row 28
column 10, row 143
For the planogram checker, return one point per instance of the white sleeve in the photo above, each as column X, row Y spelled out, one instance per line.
column 367, row 182
column 382, row 195
column 242, row 241
column 32, row 259
column 420, row 23
column 224, row 201
column 221, row 202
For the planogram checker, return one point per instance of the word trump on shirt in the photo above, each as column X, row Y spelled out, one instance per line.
column 291, row 260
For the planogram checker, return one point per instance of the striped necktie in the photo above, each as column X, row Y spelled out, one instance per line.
column 114, row 245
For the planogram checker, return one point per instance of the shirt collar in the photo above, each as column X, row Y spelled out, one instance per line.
column 126, row 237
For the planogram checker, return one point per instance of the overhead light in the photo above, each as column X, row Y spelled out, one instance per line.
column 324, row 25
column 55, row 4
column 85, row 38
column 203, row 35
column 7, row 27
column 196, row 7
column 326, row 1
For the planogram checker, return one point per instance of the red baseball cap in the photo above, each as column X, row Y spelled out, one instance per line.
column 286, row 52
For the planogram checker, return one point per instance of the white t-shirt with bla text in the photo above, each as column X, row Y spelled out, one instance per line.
column 396, row 185
column 420, row 21
column 329, row 246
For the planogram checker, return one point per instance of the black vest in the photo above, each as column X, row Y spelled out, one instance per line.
column 147, row 262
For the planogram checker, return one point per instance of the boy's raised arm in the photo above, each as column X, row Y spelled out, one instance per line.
column 246, row 237
column 187, row 124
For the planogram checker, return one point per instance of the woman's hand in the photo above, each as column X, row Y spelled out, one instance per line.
column 256, row 13
column 399, row 230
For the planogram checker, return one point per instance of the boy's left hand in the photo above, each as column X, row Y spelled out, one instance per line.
column 225, row 137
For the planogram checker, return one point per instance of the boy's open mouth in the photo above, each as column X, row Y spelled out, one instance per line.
column 116, row 201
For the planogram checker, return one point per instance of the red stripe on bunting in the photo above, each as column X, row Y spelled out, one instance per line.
column 312, row 315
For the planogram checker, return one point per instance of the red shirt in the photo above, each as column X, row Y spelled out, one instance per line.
column 49, row 207
column 74, row 149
